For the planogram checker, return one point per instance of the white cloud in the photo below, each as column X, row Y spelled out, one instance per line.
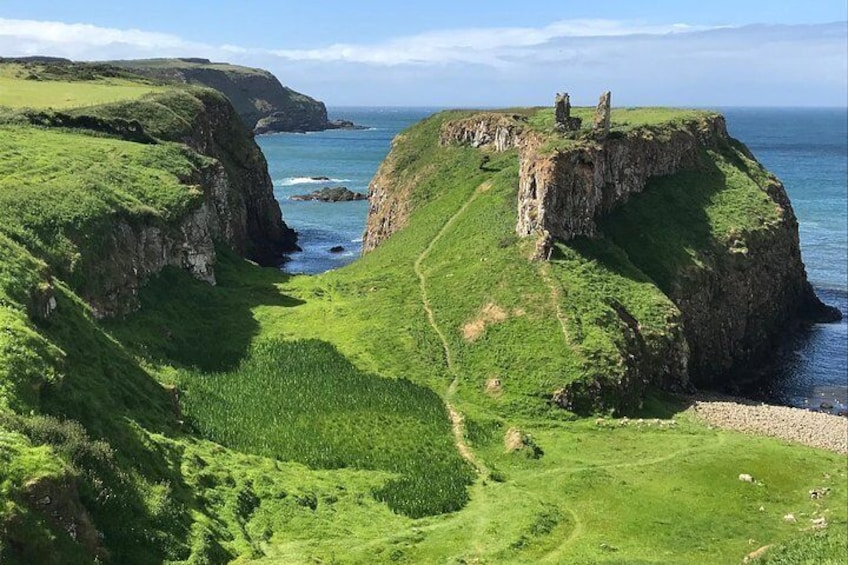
column 643, row 63
column 18, row 37
column 488, row 46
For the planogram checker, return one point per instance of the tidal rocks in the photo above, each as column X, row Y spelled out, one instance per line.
column 343, row 124
column 331, row 194
column 337, row 249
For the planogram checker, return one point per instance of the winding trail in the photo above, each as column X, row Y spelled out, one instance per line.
column 456, row 418
column 556, row 297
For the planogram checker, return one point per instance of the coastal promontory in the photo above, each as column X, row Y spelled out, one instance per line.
column 263, row 103
column 498, row 371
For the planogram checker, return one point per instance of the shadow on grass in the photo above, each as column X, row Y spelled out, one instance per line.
column 660, row 404
column 182, row 321
column 105, row 396
column 662, row 229
column 190, row 323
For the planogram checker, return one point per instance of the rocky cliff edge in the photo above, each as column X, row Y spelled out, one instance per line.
column 739, row 292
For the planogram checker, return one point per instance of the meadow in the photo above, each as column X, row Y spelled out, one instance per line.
column 319, row 410
column 23, row 87
column 329, row 419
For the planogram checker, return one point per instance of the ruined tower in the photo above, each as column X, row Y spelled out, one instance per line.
column 601, row 125
column 562, row 113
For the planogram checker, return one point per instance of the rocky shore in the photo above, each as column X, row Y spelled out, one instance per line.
column 816, row 429
column 331, row 194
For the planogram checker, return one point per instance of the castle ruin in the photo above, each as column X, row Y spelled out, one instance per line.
column 562, row 111
column 601, row 124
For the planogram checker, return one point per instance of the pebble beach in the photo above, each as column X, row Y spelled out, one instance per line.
column 816, row 429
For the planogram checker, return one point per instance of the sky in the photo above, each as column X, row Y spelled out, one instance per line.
column 474, row 53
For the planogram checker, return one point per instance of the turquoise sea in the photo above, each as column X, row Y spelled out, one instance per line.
column 806, row 147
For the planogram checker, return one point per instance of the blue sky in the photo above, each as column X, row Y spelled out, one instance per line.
column 474, row 53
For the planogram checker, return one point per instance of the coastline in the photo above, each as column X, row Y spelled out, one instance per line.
column 799, row 425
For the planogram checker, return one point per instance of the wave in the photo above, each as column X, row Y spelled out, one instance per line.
column 357, row 240
column 291, row 181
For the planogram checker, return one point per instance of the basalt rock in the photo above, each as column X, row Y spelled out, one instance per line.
column 331, row 194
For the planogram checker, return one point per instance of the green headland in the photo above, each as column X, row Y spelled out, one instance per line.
column 445, row 399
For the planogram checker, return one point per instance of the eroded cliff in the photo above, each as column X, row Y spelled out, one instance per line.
column 177, row 175
column 263, row 103
column 722, row 244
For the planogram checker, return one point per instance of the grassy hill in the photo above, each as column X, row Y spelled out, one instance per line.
column 394, row 411
column 254, row 93
column 53, row 86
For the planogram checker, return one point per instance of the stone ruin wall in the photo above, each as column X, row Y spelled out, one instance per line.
column 562, row 192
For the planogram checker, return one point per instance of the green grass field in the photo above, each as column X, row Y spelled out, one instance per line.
column 24, row 88
column 307, row 419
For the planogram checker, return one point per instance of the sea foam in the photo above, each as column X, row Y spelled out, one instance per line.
column 291, row 181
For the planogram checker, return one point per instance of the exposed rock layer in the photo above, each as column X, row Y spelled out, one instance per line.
column 733, row 308
column 258, row 97
column 238, row 209
column 564, row 191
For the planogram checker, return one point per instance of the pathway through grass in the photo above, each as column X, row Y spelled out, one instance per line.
column 457, row 422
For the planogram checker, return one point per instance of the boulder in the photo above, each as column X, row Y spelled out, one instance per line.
column 343, row 124
column 331, row 194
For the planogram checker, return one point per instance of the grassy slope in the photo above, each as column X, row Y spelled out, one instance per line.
column 591, row 494
column 60, row 191
column 586, row 499
column 19, row 91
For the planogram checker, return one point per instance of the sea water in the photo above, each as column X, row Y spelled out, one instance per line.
column 807, row 148
column 348, row 158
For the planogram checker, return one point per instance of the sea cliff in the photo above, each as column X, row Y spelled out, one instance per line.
column 738, row 284
column 263, row 103
column 202, row 182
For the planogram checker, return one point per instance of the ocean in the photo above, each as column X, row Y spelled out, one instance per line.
column 807, row 148
column 348, row 158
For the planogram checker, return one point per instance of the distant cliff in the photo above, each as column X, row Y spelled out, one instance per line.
column 262, row 102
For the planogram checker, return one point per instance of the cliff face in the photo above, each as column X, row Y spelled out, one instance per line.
column 737, row 289
column 252, row 220
column 389, row 203
column 561, row 192
column 261, row 101
column 747, row 294
column 237, row 209
column 500, row 132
